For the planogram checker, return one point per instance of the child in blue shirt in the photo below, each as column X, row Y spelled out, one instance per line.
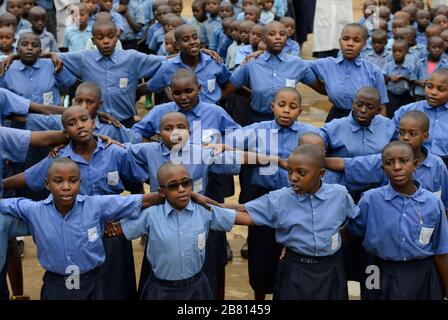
column 292, row 47
column 312, row 242
column 224, row 38
column 399, row 76
column 133, row 19
column 76, row 36
column 378, row 53
column 434, row 60
column 160, row 12
column 364, row 131
column 213, row 21
column 267, row 13
column 255, row 37
column 252, row 13
column 199, row 16
column 176, row 6
column 106, row 6
column 405, row 228
column 6, row 42
column 16, row 8
column 38, row 19
column 423, row 21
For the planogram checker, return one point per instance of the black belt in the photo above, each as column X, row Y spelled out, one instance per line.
column 82, row 276
column 179, row 283
column 299, row 258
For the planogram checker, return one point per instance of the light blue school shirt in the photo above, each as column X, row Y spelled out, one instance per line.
column 38, row 82
column 431, row 173
column 12, row 103
column 343, row 79
column 42, row 122
column 269, row 138
column 292, row 47
column 199, row 161
column 75, row 39
column 421, row 38
column 116, row 19
column 209, row 26
column 146, row 6
column 99, row 176
column 218, row 34
column 269, row 73
column 405, row 69
column 151, row 31
column 421, row 71
column 437, row 142
column 242, row 53
column 398, row 227
column 280, row 7
column 223, row 46
column 157, row 40
column 207, row 121
column 307, row 224
column 117, row 75
column 266, row 17
column 76, row 239
column 14, row 145
column 10, row 227
column 46, row 4
column 23, row 24
column 176, row 239
column 136, row 12
column 47, row 41
column 211, row 76
column 375, row 58
column 347, row 138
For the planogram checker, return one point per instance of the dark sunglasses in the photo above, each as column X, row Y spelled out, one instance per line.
column 175, row 185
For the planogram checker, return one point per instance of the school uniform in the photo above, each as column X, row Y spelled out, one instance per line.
column 128, row 37
column 71, row 242
column 266, row 138
column 38, row 82
column 117, row 75
column 223, row 45
column 22, row 24
column 403, row 233
column 47, row 41
column 399, row 92
column 211, row 76
column 242, row 53
column 209, row 26
column 292, row 47
column 176, row 248
column 266, row 75
column 438, row 126
column 102, row 175
column 312, row 242
column 151, row 31
column 266, row 17
column 12, row 104
column 146, row 6
column 343, row 79
column 375, row 58
column 422, row 72
column 75, row 39
column 231, row 54
column 345, row 137
column 198, row 25
column 421, row 38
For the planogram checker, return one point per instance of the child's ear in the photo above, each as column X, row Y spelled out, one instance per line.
column 272, row 106
column 300, row 110
column 415, row 162
column 382, row 168
column 321, row 173
column 47, row 184
column 161, row 192
column 426, row 135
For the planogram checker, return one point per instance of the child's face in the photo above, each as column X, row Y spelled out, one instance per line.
column 304, row 174
column 268, row 4
column 38, row 22
column 105, row 5
column 432, row 31
column 385, row 3
column 79, row 125
column 247, row 3
column 286, row 108
column 244, row 34
column 87, row 99
column 105, row 39
column 423, row 19
column 63, row 182
column 15, row 7
column 444, row 36
column 352, row 41
column 435, row 49
column 235, row 31
column 173, row 24
column 199, row 12
column 397, row 24
column 176, row 187
column 256, row 34
column 176, row 6
column 29, row 49
column 399, row 165
column 379, row 43
column 365, row 108
column 410, row 132
column 442, row 21
column 185, row 93
column 226, row 11
column 169, row 45
column 10, row 23
column 290, row 28
column 189, row 43
column 399, row 53
column 6, row 39
column 83, row 18
column 251, row 15
column 275, row 38
column 174, row 132
column 212, row 7
column 436, row 90
column 27, row 5
column 91, row 5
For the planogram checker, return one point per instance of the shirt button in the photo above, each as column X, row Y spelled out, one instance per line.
column 404, row 214
column 403, row 239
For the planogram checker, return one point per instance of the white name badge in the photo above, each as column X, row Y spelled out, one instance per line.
column 438, row 194
column 48, row 97
column 425, row 235
column 92, row 234
column 335, row 241
column 201, row 241
column 211, row 84
column 112, row 178
column 123, row 83
column 291, row 83
column 197, row 187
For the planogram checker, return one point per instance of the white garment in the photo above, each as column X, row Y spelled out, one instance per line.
column 62, row 17
column 436, row 3
column 329, row 19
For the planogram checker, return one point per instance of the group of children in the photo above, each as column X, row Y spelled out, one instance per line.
column 321, row 204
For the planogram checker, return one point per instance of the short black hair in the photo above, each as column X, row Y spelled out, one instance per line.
column 184, row 73
column 103, row 23
column 365, row 33
column 394, row 144
column 62, row 160
column 91, row 86
column 69, row 110
column 290, row 90
column 173, row 113
column 310, row 150
column 29, row 34
column 420, row 117
column 180, row 29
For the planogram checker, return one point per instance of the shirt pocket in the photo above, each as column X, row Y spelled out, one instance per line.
column 199, row 240
column 91, row 236
column 121, row 82
column 423, row 234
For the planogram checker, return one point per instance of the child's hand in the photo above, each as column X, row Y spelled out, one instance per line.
column 107, row 118
column 122, row 9
column 57, row 62
column 204, row 201
column 113, row 229
column 253, row 55
column 218, row 148
column 55, row 151
column 394, row 78
column 283, row 163
column 109, row 141
column 215, row 56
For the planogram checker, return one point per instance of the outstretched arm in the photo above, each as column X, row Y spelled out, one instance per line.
column 335, row 164
column 15, row 181
column 47, row 138
column 45, row 109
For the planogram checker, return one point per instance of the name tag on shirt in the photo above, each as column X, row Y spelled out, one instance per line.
column 201, row 241
column 48, row 97
column 425, row 235
column 335, row 241
column 211, row 84
column 291, row 83
column 92, row 234
column 197, row 187
column 438, row 194
column 112, row 178
column 123, row 83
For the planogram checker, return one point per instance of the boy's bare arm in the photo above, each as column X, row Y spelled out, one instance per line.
column 244, row 219
column 47, row 138
column 45, row 109
column 15, row 181
column 335, row 164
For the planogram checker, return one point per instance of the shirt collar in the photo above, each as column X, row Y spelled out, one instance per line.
column 97, row 56
column 203, row 59
column 22, row 66
column 356, row 126
column 341, row 59
column 197, row 110
column 281, row 56
column 428, row 160
column 418, row 196
column 69, row 152
column 169, row 209
column 295, row 126
column 320, row 194
column 427, row 106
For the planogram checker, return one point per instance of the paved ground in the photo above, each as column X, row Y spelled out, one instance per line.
column 237, row 285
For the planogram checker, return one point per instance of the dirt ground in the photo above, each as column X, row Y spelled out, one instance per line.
column 237, row 285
